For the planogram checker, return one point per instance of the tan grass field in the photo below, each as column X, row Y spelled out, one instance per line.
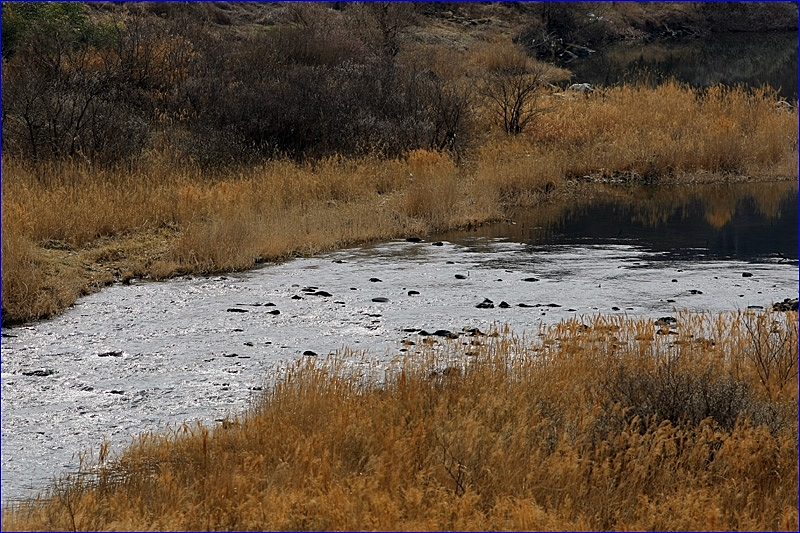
column 69, row 229
column 607, row 423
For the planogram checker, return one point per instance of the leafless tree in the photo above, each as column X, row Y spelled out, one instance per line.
column 511, row 83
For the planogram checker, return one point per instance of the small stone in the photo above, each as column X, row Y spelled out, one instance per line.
column 414, row 239
column 375, row 280
column 747, row 274
column 485, row 304
column 274, row 312
column 615, row 308
column 380, row 300
column 236, row 310
column 438, row 243
column 695, row 291
column 321, row 293
column 413, row 293
column 504, row 305
column 461, row 276
column 296, row 297
column 248, row 343
column 114, row 353
column 530, row 279
column 44, row 372
column 310, row 353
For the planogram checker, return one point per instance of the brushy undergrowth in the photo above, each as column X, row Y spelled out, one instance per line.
column 607, row 423
column 69, row 227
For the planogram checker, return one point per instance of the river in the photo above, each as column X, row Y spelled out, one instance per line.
column 153, row 355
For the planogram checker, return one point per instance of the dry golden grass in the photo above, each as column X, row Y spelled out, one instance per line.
column 672, row 131
column 68, row 228
column 575, row 429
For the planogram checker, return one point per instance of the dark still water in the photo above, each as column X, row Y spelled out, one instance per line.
column 747, row 222
column 751, row 59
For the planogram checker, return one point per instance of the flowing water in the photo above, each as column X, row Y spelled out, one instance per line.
column 149, row 355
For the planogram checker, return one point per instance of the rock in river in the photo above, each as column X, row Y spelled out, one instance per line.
column 321, row 293
column 787, row 304
column 43, row 372
column 486, row 304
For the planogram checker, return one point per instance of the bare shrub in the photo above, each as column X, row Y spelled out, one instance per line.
column 682, row 396
column 511, row 82
column 772, row 349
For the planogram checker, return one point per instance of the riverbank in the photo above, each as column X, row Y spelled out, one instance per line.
column 629, row 419
column 70, row 229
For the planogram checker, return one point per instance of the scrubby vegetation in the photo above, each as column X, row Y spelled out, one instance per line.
column 605, row 425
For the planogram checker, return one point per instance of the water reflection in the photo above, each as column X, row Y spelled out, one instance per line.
column 745, row 221
column 729, row 59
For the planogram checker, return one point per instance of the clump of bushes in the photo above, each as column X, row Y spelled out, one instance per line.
column 322, row 82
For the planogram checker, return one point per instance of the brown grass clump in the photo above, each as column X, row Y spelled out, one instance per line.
column 613, row 424
column 672, row 131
